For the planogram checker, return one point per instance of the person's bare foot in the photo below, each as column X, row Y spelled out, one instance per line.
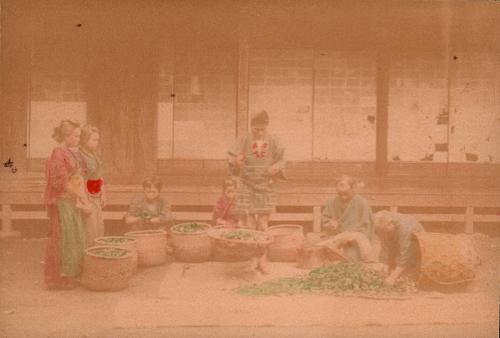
column 263, row 266
column 65, row 284
column 254, row 264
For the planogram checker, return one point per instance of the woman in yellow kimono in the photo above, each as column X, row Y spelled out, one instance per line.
column 94, row 183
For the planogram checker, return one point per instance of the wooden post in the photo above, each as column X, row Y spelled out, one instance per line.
column 15, row 71
column 123, row 91
column 7, row 223
column 243, row 83
column 469, row 220
column 382, row 119
column 316, row 219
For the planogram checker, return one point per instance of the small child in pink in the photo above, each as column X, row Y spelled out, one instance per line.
column 224, row 208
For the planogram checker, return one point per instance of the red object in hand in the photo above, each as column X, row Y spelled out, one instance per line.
column 94, row 186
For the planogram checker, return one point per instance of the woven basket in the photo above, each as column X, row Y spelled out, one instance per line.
column 130, row 243
column 106, row 273
column 235, row 250
column 312, row 257
column 151, row 246
column 287, row 239
column 444, row 259
column 191, row 247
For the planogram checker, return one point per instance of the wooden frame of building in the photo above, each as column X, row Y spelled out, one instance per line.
column 125, row 61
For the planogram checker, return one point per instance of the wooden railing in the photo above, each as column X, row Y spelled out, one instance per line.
column 296, row 204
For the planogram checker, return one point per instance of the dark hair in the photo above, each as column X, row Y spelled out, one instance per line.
column 65, row 128
column 351, row 181
column 152, row 181
column 260, row 118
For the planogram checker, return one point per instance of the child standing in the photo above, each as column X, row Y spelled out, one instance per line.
column 224, row 208
column 149, row 211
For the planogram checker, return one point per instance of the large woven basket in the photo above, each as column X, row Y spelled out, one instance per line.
column 151, row 246
column 236, row 249
column 445, row 259
column 191, row 247
column 288, row 238
column 106, row 273
column 125, row 242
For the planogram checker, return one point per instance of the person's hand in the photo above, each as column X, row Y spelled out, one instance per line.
column 350, row 237
column 390, row 280
column 331, row 226
column 240, row 160
column 273, row 170
column 103, row 199
column 83, row 205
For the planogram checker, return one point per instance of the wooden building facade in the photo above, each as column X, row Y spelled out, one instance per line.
column 378, row 89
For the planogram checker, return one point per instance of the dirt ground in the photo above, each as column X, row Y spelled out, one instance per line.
column 162, row 301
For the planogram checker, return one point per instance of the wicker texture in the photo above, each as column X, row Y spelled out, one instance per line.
column 311, row 257
column 130, row 245
column 191, row 247
column 151, row 246
column 106, row 273
column 445, row 259
column 288, row 238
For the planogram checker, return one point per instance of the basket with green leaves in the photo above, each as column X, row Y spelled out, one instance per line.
column 125, row 242
column 239, row 244
column 107, row 268
column 190, row 242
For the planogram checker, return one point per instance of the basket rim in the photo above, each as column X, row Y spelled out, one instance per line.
column 103, row 239
column 455, row 283
column 173, row 230
column 128, row 252
column 145, row 233
column 212, row 233
column 284, row 226
column 287, row 225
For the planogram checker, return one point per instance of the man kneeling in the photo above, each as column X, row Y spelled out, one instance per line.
column 398, row 250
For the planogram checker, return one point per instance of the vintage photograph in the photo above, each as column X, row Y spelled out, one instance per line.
column 249, row 168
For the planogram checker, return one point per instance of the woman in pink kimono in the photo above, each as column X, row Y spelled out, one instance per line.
column 65, row 200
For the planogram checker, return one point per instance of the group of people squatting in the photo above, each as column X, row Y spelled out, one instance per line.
column 75, row 195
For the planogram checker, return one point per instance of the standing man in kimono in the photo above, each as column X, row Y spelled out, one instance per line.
column 348, row 219
column 257, row 159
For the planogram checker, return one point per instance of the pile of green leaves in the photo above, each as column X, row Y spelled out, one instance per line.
column 190, row 227
column 242, row 235
column 340, row 278
column 145, row 215
column 109, row 252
